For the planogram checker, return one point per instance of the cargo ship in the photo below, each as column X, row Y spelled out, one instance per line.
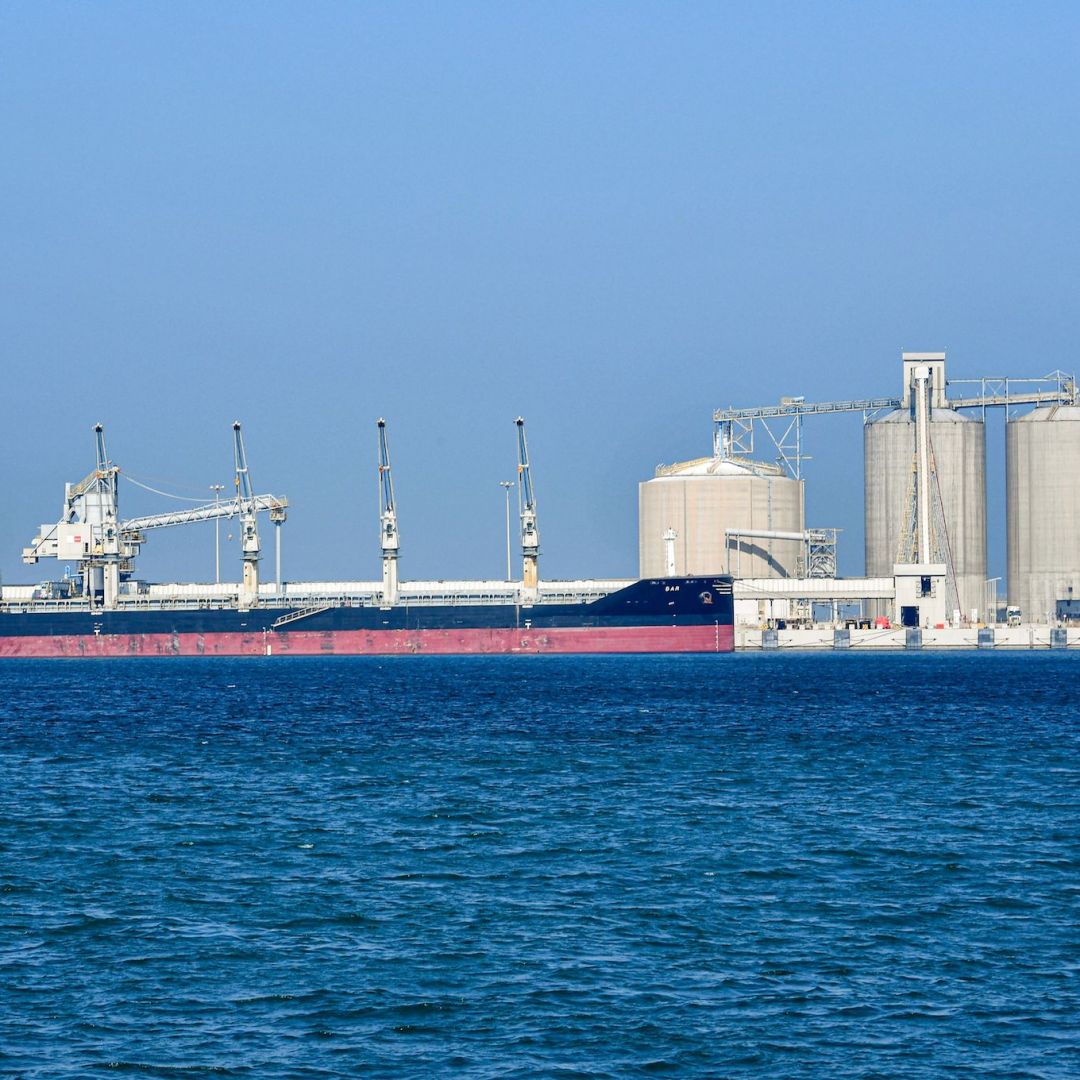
column 102, row 609
column 658, row 616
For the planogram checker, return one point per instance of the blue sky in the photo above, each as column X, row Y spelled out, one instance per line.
column 610, row 218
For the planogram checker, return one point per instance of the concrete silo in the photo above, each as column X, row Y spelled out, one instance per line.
column 684, row 513
column 1042, row 467
column 958, row 488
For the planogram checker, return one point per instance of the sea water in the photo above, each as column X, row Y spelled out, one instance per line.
column 752, row 865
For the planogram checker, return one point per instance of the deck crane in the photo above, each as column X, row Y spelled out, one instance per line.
column 388, row 526
column 250, row 546
column 107, row 514
column 530, row 535
column 91, row 535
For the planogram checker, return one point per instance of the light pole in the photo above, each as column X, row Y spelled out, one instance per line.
column 217, row 489
column 506, row 485
column 991, row 600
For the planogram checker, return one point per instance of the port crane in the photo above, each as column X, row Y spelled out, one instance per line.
column 91, row 534
column 530, row 534
column 388, row 525
column 250, row 545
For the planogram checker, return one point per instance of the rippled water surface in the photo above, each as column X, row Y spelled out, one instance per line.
column 834, row 865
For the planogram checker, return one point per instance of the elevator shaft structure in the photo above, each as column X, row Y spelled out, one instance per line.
column 388, row 524
column 530, row 534
column 923, row 513
column 925, row 501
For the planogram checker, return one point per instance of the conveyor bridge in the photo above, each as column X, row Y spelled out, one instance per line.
column 782, row 423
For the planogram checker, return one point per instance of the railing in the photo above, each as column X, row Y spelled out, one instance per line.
column 306, row 604
column 300, row 613
column 806, row 408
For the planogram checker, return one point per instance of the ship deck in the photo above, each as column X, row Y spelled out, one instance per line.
column 181, row 596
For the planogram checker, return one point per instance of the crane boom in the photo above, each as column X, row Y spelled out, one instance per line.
column 388, row 525
column 207, row 512
column 530, row 534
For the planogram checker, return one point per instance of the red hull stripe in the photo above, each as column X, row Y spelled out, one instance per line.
column 615, row 639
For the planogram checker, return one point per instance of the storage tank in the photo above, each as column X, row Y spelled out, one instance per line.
column 959, row 450
column 699, row 500
column 1042, row 459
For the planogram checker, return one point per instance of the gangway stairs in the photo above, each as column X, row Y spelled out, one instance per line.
column 299, row 613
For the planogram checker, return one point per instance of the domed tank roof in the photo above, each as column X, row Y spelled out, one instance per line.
column 1048, row 413
column 719, row 467
column 937, row 416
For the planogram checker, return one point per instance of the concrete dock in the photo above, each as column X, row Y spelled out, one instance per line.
column 829, row 637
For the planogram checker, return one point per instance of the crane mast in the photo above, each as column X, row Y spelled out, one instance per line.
column 388, row 526
column 250, row 547
column 106, row 475
column 530, row 535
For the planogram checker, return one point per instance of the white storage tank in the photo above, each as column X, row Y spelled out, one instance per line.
column 958, row 445
column 685, row 510
column 1042, row 459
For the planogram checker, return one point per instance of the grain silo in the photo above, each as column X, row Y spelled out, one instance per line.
column 686, row 511
column 1043, row 499
column 958, row 454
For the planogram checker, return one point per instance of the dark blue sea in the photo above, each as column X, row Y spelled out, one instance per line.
column 755, row 865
